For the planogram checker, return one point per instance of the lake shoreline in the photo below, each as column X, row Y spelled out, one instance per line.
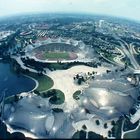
column 15, row 84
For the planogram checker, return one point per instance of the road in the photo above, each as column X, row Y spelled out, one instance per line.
column 129, row 52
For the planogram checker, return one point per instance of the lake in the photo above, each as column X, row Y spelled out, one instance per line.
column 14, row 83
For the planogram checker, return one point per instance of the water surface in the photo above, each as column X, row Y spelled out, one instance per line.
column 14, row 83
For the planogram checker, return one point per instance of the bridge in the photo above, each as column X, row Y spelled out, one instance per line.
column 136, row 72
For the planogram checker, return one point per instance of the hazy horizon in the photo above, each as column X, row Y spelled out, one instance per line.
column 128, row 9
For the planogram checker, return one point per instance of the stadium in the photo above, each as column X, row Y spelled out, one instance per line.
column 54, row 50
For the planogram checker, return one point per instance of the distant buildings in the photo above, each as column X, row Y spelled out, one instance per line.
column 5, row 34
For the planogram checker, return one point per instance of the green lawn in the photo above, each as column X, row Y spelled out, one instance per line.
column 116, row 130
column 44, row 81
column 55, row 55
column 56, row 96
column 57, row 66
column 109, row 56
column 76, row 94
column 133, row 135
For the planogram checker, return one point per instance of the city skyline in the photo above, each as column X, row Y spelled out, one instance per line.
column 126, row 8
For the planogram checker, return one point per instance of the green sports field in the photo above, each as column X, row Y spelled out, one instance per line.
column 56, row 55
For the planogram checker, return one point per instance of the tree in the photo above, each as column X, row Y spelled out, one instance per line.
column 17, row 135
column 113, row 122
column 57, row 110
column 87, row 111
column 93, row 72
column 77, row 76
column 97, row 122
column 53, row 99
column 44, row 95
column 49, row 93
column 4, row 134
column 138, row 98
column 93, row 135
column 53, row 91
column 113, row 131
column 40, row 73
column 84, row 127
column 27, row 70
column 126, row 65
column 37, row 92
column 93, row 77
column 82, row 134
column 132, row 111
column 107, row 71
column 105, row 125
column 79, row 81
column 109, row 133
column 16, row 98
column 82, row 79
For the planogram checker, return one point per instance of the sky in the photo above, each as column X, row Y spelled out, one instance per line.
column 120, row 8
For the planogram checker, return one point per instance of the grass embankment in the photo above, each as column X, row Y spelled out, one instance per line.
column 76, row 95
column 57, row 66
column 44, row 81
column 56, row 96
column 133, row 135
column 109, row 56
